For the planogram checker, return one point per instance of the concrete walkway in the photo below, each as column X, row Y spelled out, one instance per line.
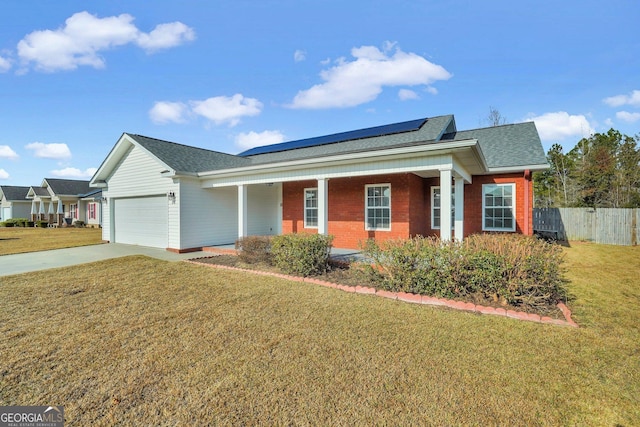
column 35, row 261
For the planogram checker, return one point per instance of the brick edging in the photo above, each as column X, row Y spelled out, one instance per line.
column 414, row 298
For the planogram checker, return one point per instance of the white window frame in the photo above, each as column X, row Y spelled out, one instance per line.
column 367, row 207
column 512, row 207
column 453, row 207
column 306, row 225
column 73, row 210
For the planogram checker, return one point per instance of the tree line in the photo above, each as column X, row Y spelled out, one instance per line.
column 601, row 171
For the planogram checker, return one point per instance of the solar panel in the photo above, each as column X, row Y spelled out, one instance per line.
column 338, row 137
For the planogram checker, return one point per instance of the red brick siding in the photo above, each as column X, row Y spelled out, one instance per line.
column 410, row 206
column 473, row 201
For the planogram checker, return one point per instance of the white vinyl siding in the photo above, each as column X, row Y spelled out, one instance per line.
column 435, row 208
column 310, row 208
column 499, row 207
column 378, row 207
column 141, row 221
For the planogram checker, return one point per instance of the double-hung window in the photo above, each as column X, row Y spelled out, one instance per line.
column 92, row 211
column 310, row 208
column 378, row 207
column 436, row 210
column 499, row 207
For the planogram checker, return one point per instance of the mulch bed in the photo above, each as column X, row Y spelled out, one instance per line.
column 341, row 274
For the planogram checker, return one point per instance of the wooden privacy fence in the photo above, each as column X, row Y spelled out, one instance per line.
column 602, row 225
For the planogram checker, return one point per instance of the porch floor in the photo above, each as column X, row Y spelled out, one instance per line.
column 338, row 254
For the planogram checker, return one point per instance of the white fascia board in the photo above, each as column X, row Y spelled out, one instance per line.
column 343, row 158
column 460, row 170
column 510, row 169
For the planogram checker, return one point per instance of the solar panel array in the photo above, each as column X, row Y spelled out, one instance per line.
column 409, row 126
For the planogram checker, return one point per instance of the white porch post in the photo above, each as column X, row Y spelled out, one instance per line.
column 242, row 211
column 445, row 205
column 323, row 206
column 459, row 204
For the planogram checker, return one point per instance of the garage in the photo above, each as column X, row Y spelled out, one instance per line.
column 141, row 221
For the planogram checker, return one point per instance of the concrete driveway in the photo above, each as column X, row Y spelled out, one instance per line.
column 35, row 261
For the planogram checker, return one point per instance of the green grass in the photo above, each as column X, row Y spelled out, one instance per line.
column 15, row 240
column 139, row 341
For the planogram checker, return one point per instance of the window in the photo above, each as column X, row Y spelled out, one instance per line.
column 73, row 211
column 310, row 207
column 378, row 207
column 435, row 208
column 92, row 211
column 498, row 207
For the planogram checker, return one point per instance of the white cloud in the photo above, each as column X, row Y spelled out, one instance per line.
column 255, row 139
column 432, row 90
column 74, row 173
column 351, row 83
column 633, row 98
column 84, row 36
column 4, row 174
column 627, row 116
column 406, row 94
column 299, row 55
column 224, row 109
column 165, row 112
column 5, row 65
column 560, row 125
column 7, row 152
column 49, row 151
column 165, row 36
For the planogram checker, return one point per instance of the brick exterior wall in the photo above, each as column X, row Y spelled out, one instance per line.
column 410, row 206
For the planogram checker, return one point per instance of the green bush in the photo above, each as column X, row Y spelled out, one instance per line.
column 78, row 224
column 42, row 224
column 6, row 224
column 254, row 249
column 515, row 269
column 16, row 222
column 301, row 254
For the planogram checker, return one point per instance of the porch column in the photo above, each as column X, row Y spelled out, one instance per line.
column 33, row 210
column 60, row 213
column 41, row 211
column 459, row 204
column 323, row 206
column 242, row 211
column 445, row 205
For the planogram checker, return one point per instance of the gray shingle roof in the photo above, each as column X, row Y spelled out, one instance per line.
column 183, row 158
column 13, row 192
column 508, row 145
column 431, row 130
column 68, row 187
column 40, row 191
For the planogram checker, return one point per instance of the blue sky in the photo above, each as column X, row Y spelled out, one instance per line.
column 229, row 75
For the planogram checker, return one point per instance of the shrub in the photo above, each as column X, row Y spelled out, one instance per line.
column 301, row 254
column 6, row 224
column 42, row 224
column 254, row 249
column 16, row 222
column 515, row 269
column 78, row 224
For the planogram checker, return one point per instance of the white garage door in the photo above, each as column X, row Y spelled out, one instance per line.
column 141, row 221
column 6, row 214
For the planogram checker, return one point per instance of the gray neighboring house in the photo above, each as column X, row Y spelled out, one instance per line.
column 61, row 201
column 420, row 177
column 14, row 202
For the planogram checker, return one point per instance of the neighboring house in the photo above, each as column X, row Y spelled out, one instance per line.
column 14, row 202
column 386, row 182
column 59, row 200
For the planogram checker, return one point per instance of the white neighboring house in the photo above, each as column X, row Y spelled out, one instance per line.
column 14, row 202
column 61, row 201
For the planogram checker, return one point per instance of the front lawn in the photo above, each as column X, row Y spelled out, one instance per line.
column 15, row 240
column 137, row 341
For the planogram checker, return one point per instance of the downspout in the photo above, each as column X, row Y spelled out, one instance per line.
column 527, row 216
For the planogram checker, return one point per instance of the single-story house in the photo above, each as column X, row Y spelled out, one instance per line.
column 14, row 202
column 391, row 181
column 69, row 200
